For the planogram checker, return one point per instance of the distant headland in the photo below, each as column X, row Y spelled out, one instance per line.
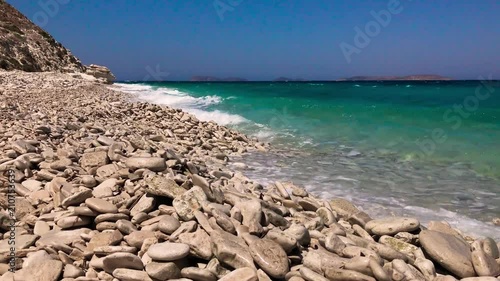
column 424, row 77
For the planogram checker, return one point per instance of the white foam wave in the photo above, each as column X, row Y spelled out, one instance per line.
column 178, row 99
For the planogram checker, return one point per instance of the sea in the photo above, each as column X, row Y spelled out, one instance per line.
column 428, row 149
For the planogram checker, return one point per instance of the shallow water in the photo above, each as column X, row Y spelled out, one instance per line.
column 429, row 149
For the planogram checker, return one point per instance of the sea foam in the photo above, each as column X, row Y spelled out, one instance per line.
column 177, row 99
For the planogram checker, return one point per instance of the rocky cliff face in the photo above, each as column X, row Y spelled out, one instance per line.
column 25, row 46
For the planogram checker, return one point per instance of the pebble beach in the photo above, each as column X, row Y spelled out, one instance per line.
column 107, row 187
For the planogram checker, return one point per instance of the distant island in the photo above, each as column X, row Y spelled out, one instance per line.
column 425, row 77
column 216, row 79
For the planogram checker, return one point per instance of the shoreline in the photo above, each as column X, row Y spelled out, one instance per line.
column 88, row 177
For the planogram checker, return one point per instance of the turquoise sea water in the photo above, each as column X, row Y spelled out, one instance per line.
column 430, row 148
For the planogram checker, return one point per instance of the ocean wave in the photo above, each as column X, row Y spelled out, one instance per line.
column 178, row 99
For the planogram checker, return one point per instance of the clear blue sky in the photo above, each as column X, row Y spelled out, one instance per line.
column 265, row 39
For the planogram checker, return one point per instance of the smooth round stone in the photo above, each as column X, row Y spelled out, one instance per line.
column 168, row 224
column 270, row 256
column 124, row 274
column 241, row 274
column 449, row 251
column 61, row 164
column 155, row 164
column 168, row 251
column 198, row 274
column 83, row 211
column 77, row 198
column 106, row 250
column 125, row 226
column 101, row 206
column 88, row 181
column 136, row 238
column 122, row 260
column 106, row 238
column 72, row 221
column 110, row 217
column 163, row 271
column 391, row 226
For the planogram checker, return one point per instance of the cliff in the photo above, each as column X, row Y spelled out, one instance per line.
column 27, row 47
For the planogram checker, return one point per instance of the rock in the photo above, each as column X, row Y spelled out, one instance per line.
column 41, row 265
column 443, row 227
column 41, row 228
column 199, row 243
column 484, row 264
column 71, row 271
column 268, row 255
column 136, row 238
column 300, row 233
column 106, row 250
column 168, row 251
column 101, row 206
column 77, row 198
column 241, row 274
column 105, row 238
column 125, row 226
column 287, row 242
column 73, row 221
column 61, row 164
column 121, row 260
column 343, row 207
column 449, row 251
column 145, row 204
column 123, row 274
column 105, row 189
column 94, row 159
column 65, row 237
column 155, row 164
column 196, row 273
column 310, row 275
column 490, row 247
column 102, row 73
column 346, row 275
column 163, row 271
column 252, row 215
column 168, row 224
column 398, row 245
column 231, row 250
column 186, row 204
column 161, row 186
column 391, row 226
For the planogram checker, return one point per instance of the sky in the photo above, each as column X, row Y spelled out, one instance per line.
column 266, row 39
